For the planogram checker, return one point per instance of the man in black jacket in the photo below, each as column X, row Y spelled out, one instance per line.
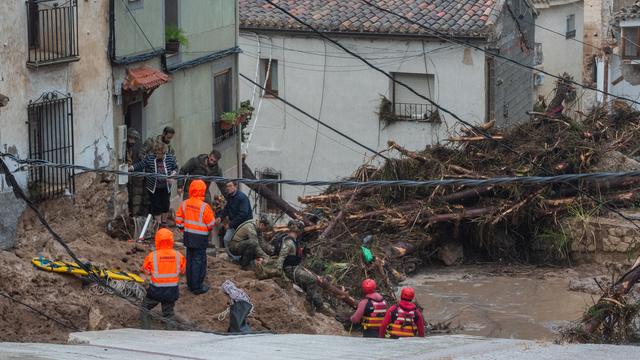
column 237, row 210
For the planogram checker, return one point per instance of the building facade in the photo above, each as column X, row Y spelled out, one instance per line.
column 359, row 101
column 56, row 73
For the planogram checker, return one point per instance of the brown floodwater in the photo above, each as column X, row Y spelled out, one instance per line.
column 522, row 303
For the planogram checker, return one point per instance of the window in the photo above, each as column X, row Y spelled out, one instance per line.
column 269, row 76
column 267, row 206
column 571, row 27
column 630, row 42
column 407, row 105
column 52, row 32
column 538, row 57
column 50, row 126
column 171, row 13
column 222, row 102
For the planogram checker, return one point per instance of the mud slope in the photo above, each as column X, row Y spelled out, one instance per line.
column 81, row 221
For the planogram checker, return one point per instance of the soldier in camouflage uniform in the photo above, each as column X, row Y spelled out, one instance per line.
column 288, row 266
column 247, row 242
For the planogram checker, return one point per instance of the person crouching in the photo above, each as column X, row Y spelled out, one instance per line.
column 164, row 265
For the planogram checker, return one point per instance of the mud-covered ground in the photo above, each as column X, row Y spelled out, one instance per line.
column 81, row 221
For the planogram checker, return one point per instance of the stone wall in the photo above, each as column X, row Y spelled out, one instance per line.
column 602, row 235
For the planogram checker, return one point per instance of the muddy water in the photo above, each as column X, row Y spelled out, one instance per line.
column 525, row 304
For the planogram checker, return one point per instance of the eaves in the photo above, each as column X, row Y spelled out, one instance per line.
column 344, row 34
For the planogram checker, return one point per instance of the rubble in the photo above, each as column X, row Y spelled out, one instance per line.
column 498, row 223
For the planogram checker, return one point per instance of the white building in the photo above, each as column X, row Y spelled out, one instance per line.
column 559, row 42
column 347, row 94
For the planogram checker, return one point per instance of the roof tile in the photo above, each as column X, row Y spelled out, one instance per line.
column 458, row 17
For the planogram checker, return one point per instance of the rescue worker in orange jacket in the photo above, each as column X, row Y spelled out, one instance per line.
column 164, row 265
column 196, row 219
column 404, row 319
column 371, row 310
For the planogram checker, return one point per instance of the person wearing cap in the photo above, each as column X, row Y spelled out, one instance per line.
column 247, row 243
column 403, row 319
column 370, row 311
column 164, row 265
column 288, row 266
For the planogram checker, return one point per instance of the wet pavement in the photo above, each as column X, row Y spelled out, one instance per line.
column 518, row 303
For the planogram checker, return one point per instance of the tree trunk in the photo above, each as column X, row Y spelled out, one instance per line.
column 268, row 194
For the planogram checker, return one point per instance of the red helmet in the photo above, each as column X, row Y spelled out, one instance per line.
column 407, row 294
column 368, row 286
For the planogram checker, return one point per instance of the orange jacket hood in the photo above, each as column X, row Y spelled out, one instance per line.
column 197, row 189
column 164, row 239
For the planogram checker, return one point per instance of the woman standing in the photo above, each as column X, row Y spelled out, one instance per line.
column 162, row 163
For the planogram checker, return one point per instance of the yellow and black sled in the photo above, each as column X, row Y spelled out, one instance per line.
column 73, row 268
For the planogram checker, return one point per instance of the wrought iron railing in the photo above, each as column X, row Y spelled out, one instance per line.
column 416, row 112
column 52, row 31
column 50, row 125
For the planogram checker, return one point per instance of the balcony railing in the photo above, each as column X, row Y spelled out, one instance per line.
column 416, row 112
column 52, row 31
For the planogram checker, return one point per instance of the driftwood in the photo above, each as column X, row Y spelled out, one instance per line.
column 466, row 194
column 339, row 292
column 270, row 195
column 486, row 126
column 412, row 154
column 338, row 218
column 474, row 138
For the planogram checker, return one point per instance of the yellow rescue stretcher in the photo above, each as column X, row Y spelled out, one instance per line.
column 73, row 268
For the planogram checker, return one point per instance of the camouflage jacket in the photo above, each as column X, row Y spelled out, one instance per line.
column 275, row 267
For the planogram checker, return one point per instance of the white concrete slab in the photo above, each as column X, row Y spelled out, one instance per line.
column 154, row 344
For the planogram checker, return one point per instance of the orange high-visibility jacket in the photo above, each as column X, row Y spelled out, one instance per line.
column 195, row 216
column 165, row 264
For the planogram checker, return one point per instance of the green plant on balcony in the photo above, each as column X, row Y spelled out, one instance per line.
column 228, row 120
column 174, row 37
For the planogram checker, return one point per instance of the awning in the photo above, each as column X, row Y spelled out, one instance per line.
column 144, row 78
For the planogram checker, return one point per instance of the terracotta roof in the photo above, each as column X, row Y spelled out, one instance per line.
column 144, row 78
column 456, row 17
column 630, row 12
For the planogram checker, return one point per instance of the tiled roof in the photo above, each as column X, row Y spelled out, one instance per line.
column 144, row 78
column 630, row 12
column 456, row 17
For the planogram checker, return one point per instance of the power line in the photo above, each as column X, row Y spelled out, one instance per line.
column 19, row 193
column 317, row 120
column 497, row 181
column 475, row 128
column 69, row 325
column 450, row 39
column 133, row 17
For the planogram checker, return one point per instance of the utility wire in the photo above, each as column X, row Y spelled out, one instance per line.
column 443, row 36
column 133, row 17
column 317, row 120
column 475, row 128
column 68, row 325
column 507, row 180
column 19, row 193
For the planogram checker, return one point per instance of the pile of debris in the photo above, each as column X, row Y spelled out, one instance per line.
column 411, row 225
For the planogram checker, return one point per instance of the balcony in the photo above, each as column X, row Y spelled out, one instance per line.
column 52, row 32
column 416, row 112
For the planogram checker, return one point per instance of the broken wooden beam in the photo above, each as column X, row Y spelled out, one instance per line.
column 339, row 292
column 411, row 154
column 474, row 138
column 270, row 195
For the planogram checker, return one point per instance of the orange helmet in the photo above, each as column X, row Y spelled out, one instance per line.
column 368, row 286
column 407, row 294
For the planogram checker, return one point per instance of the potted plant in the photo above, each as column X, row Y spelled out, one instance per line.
column 228, row 120
column 174, row 37
column 245, row 112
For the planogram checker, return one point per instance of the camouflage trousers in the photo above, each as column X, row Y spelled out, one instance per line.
column 248, row 248
column 307, row 281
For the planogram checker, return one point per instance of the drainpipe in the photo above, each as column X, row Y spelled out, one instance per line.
column 606, row 79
